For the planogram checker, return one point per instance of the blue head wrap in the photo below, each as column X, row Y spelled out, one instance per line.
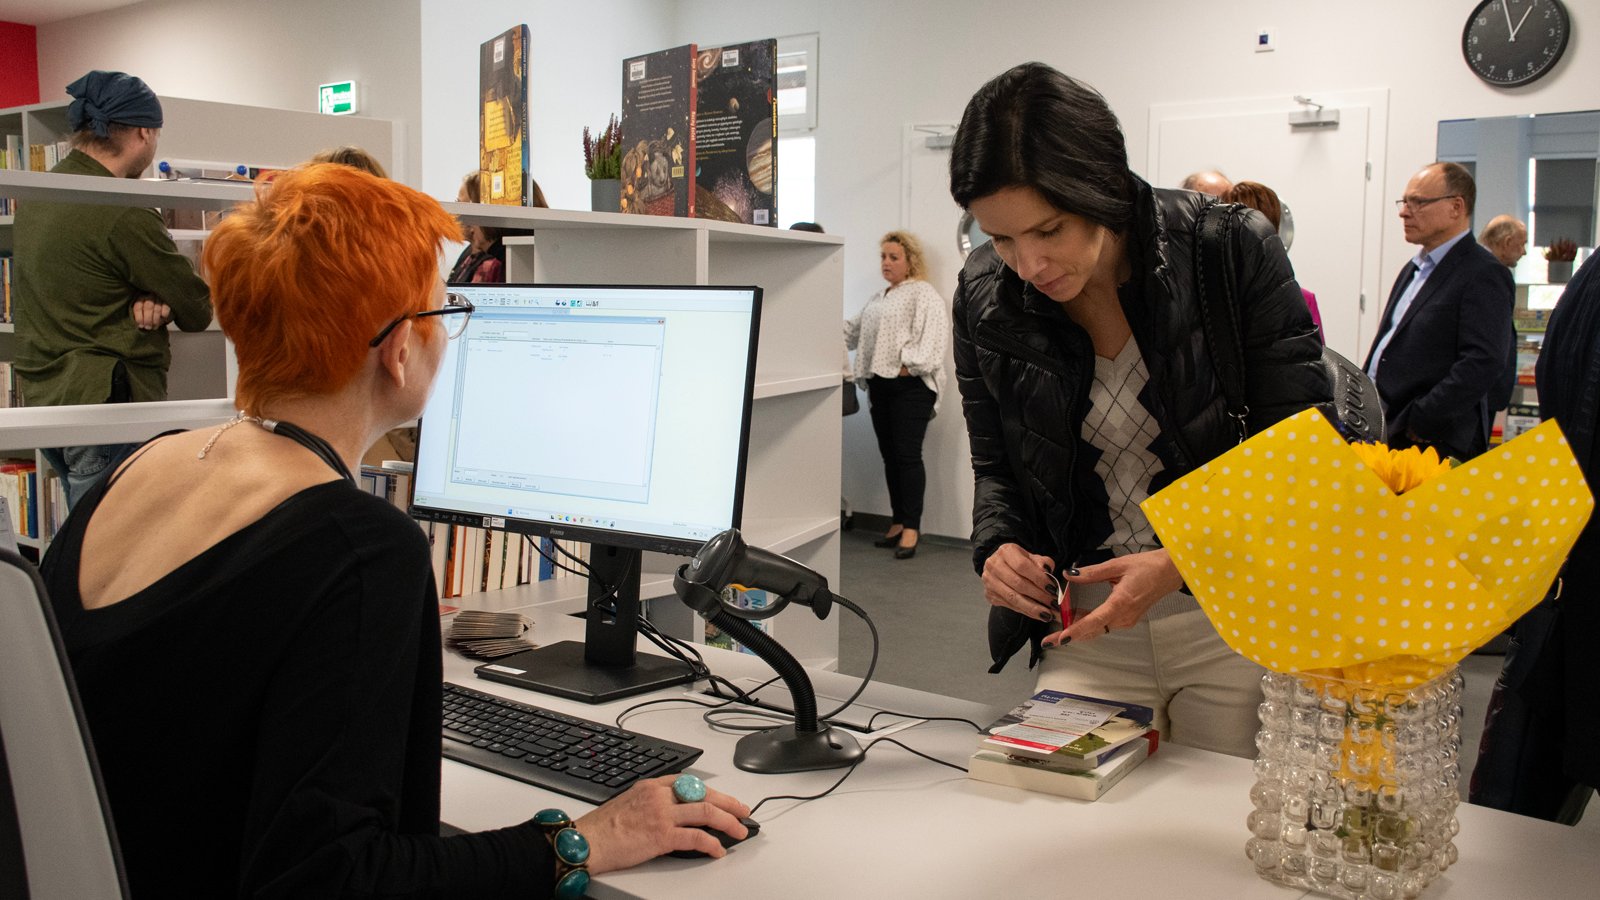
column 102, row 99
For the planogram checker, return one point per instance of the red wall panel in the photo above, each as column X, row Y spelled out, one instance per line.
column 19, row 64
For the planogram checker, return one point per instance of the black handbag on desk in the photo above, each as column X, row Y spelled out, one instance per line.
column 1359, row 411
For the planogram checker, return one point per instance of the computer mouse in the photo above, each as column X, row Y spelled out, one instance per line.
column 725, row 839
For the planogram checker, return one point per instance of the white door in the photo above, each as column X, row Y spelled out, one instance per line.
column 1321, row 174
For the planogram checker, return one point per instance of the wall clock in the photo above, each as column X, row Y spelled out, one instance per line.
column 1512, row 42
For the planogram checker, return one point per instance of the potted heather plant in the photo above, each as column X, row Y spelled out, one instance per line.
column 602, row 162
column 1558, row 258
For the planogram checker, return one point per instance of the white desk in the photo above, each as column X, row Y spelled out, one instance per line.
column 904, row 827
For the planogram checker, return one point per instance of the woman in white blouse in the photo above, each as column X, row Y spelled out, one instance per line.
column 900, row 339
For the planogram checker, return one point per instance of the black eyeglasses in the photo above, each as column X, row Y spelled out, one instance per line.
column 1416, row 203
column 455, row 305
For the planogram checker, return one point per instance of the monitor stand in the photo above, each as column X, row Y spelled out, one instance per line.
column 605, row 666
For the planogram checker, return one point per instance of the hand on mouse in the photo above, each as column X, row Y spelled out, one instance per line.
column 646, row 821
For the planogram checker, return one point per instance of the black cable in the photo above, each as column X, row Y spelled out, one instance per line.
column 890, row 712
column 569, row 555
column 686, row 647
column 872, row 665
column 731, row 686
column 553, row 561
column 851, row 771
column 713, row 719
column 604, row 605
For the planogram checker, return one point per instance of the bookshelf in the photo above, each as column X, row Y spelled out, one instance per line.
column 792, row 485
column 201, row 375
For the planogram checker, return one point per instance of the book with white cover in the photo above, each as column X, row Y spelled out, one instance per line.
column 1039, row 775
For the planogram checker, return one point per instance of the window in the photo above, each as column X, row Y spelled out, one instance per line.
column 797, row 123
column 1561, row 200
column 797, row 180
column 797, row 83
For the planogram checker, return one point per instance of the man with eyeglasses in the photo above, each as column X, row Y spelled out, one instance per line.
column 1441, row 346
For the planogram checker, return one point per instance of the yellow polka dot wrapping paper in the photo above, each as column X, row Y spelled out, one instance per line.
column 1304, row 559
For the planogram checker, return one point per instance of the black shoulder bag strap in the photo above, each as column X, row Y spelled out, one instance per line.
column 1218, row 312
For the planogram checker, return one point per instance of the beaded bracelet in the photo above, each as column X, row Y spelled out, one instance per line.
column 571, row 852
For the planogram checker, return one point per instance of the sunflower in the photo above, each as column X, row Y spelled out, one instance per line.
column 1402, row 470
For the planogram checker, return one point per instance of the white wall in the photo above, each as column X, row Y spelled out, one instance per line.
column 887, row 64
column 575, row 56
column 258, row 54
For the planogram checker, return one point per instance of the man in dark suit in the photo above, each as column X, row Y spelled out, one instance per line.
column 1441, row 347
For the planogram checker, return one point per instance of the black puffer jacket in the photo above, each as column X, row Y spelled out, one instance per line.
column 1024, row 370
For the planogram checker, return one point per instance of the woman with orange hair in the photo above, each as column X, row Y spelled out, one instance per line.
column 1265, row 200
column 262, row 682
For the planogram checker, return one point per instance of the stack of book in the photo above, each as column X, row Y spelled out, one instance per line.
column 1065, row 744
column 19, row 485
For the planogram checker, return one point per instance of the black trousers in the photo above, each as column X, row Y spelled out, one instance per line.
column 901, row 408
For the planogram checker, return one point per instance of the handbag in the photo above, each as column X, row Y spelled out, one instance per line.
column 1358, row 411
column 852, row 403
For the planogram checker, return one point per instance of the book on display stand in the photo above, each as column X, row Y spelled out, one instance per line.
column 503, row 119
column 736, row 133
column 658, row 133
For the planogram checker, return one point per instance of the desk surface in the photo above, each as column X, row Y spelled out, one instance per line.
column 903, row 826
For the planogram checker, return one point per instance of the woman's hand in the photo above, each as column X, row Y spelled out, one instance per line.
column 1019, row 580
column 646, row 821
column 1137, row 581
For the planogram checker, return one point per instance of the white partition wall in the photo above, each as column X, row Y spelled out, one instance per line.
column 792, row 480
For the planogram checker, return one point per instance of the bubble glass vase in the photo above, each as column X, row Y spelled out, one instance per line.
column 1356, row 784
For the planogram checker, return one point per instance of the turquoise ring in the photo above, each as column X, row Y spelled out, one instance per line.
column 689, row 788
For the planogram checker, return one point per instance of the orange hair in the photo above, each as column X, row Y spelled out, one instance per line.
column 303, row 276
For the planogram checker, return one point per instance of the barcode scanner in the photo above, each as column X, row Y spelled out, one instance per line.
column 726, row 560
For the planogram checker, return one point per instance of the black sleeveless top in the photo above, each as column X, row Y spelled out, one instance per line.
column 266, row 715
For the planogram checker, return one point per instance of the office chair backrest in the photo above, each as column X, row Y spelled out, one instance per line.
column 57, row 838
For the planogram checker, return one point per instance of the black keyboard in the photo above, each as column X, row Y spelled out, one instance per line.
column 547, row 749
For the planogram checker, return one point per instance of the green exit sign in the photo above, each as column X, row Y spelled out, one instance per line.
column 337, row 99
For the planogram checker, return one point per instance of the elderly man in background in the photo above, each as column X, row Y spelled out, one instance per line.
column 1210, row 182
column 96, row 286
column 1507, row 238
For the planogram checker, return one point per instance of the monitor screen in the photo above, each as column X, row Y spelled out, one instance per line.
column 613, row 415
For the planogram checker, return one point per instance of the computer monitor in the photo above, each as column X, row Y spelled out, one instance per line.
column 615, row 415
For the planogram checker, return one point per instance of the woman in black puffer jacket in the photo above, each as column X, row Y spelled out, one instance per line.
column 1087, row 386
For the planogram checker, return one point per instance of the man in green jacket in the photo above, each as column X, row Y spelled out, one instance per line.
column 96, row 286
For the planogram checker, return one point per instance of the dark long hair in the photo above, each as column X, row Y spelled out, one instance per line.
column 1035, row 127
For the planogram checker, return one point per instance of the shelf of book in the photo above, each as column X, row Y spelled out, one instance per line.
column 792, row 483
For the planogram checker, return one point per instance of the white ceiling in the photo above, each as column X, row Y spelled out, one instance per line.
column 43, row 12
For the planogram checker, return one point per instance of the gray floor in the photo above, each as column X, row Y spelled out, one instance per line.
column 931, row 617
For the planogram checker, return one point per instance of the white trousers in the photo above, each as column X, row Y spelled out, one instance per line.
column 1203, row 694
